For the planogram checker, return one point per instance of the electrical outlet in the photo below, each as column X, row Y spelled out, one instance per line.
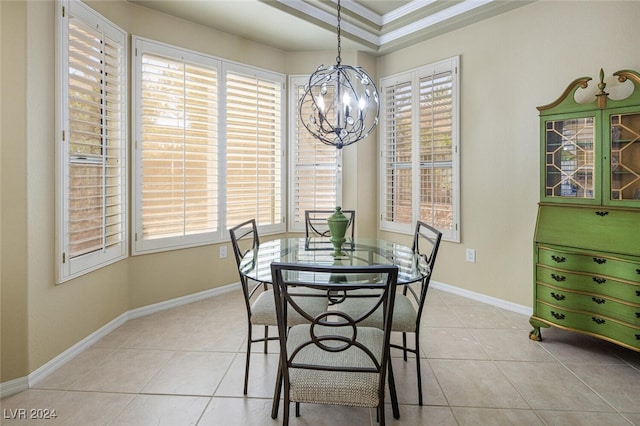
column 471, row 255
column 223, row 252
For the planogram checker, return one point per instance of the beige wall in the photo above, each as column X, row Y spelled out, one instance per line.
column 13, row 181
column 361, row 170
column 510, row 64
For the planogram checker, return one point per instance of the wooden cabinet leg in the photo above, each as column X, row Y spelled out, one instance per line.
column 536, row 334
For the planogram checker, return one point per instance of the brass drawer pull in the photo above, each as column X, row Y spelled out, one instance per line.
column 637, row 314
column 557, row 296
column 599, row 280
column 599, row 260
column 558, row 259
column 602, row 214
column 638, row 270
column 637, row 336
column 598, row 300
column 557, row 315
column 638, row 293
column 558, row 278
column 598, row 320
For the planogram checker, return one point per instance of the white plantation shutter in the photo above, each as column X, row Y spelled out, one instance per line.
column 177, row 148
column 436, row 151
column 315, row 172
column 254, row 149
column 419, row 149
column 398, row 135
column 92, row 201
column 208, row 144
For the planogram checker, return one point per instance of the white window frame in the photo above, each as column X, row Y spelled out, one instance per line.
column 413, row 77
column 140, row 246
column 296, row 218
column 68, row 267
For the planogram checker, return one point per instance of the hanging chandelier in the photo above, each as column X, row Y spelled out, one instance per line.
column 340, row 104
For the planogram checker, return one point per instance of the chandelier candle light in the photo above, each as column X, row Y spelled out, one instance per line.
column 340, row 105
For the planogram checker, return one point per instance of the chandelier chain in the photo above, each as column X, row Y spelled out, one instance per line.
column 338, row 58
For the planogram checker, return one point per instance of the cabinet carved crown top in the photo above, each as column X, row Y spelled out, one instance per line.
column 567, row 100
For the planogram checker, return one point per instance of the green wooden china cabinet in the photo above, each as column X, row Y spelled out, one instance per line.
column 587, row 236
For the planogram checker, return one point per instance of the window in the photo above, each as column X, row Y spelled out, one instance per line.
column 176, row 137
column 315, row 168
column 254, row 148
column 91, row 148
column 419, row 149
column 207, row 148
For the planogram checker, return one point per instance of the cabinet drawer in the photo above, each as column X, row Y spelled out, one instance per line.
column 592, row 324
column 595, row 228
column 596, row 263
column 590, row 283
column 595, row 304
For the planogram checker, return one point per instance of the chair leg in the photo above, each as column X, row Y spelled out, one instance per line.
column 404, row 345
column 393, row 394
column 297, row 409
column 266, row 338
column 285, row 416
column 276, row 395
column 246, row 367
column 417, row 347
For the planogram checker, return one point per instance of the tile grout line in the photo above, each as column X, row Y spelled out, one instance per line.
column 562, row 364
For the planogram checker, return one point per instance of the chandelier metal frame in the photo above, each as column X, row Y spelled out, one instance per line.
column 340, row 105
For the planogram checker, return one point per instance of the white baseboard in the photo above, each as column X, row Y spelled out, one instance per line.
column 509, row 306
column 179, row 301
column 14, row 386
column 23, row 383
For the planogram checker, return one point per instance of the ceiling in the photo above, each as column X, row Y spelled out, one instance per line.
column 374, row 26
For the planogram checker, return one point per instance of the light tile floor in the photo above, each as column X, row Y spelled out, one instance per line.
column 185, row 366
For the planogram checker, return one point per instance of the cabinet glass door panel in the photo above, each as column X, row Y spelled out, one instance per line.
column 570, row 156
column 625, row 156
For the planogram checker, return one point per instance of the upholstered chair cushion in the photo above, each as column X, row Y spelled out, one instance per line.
column 335, row 387
column 263, row 309
column 404, row 312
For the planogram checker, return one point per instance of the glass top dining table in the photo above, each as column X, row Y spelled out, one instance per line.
column 256, row 264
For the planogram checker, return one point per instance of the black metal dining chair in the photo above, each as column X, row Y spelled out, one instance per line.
column 315, row 222
column 258, row 296
column 409, row 303
column 334, row 359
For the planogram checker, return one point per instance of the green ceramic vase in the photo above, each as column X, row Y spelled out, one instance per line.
column 338, row 223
